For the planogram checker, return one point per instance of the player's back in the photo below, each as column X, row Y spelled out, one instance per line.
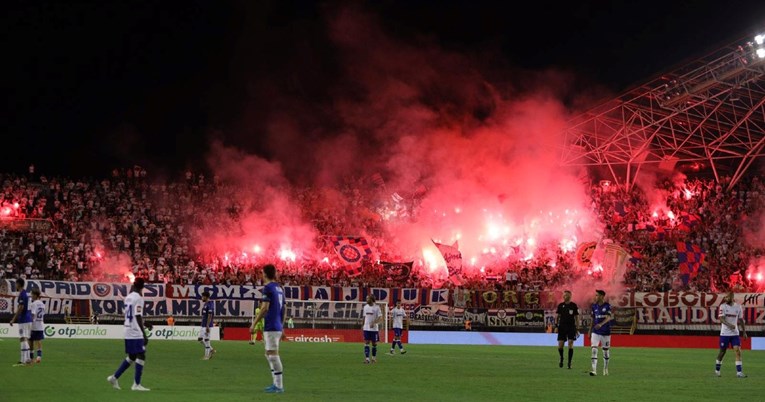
column 133, row 308
column 208, row 312
column 38, row 315
column 23, row 302
column 274, row 294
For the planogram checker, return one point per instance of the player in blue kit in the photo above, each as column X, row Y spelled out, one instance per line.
column 600, row 331
column 24, row 317
column 135, row 338
column 208, row 313
column 272, row 308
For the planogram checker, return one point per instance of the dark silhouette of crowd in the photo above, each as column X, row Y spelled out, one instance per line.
column 100, row 229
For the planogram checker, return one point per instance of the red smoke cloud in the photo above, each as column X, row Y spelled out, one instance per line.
column 478, row 159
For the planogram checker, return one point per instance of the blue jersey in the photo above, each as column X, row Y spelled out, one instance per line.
column 23, row 302
column 208, row 312
column 274, row 295
column 599, row 314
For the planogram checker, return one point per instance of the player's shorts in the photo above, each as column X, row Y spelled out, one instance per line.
column 372, row 336
column 397, row 332
column 566, row 334
column 259, row 327
column 134, row 346
column 37, row 335
column 598, row 340
column 25, row 330
column 204, row 334
column 271, row 339
column 731, row 341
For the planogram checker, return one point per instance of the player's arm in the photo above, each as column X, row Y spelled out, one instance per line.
column 264, row 305
column 743, row 326
column 721, row 317
column 139, row 321
column 609, row 317
column 577, row 321
column 209, row 319
column 19, row 310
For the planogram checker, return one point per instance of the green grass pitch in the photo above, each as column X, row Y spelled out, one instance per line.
column 76, row 370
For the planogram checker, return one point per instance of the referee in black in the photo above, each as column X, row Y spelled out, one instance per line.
column 567, row 326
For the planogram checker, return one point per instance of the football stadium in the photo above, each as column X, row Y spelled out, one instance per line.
column 361, row 206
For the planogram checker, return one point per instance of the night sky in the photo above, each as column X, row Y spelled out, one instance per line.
column 90, row 86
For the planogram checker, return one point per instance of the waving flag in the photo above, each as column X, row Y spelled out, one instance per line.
column 397, row 270
column 453, row 258
column 353, row 251
column 614, row 257
column 689, row 259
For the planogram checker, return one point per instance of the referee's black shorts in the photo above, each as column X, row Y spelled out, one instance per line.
column 566, row 333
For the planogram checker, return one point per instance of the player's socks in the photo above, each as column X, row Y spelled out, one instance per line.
column 138, row 371
column 39, row 355
column 374, row 351
column 560, row 352
column 24, row 352
column 366, row 351
column 570, row 356
column 718, row 364
column 271, row 365
column 208, row 349
column 124, row 366
column 399, row 345
column 594, row 359
column 276, row 362
column 739, row 366
column 606, row 358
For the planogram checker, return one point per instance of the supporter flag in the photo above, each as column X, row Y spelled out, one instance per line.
column 5, row 306
column 615, row 257
column 584, row 253
column 689, row 259
column 453, row 258
column 397, row 270
column 688, row 221
column 353, row 251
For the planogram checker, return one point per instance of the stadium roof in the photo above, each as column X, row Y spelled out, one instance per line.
column 708, row 115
